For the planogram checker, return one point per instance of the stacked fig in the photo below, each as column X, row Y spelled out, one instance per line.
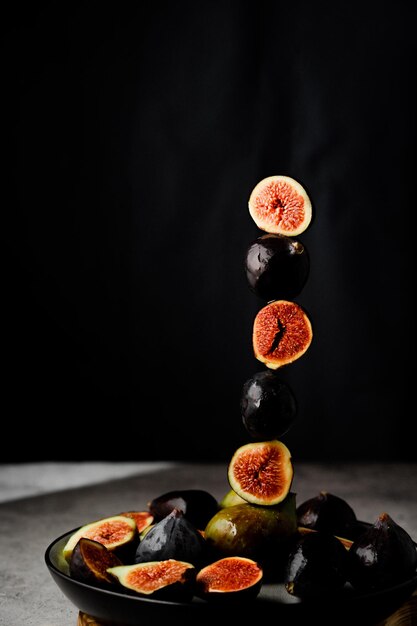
column 187, row 543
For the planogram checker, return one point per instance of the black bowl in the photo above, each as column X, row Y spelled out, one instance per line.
column 124, row 609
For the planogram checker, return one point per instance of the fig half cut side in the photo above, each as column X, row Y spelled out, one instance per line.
column 113, row 532
column 231, row 577
column 282, row 333
column 261, row 472
column 168, row 579
column 280, row 204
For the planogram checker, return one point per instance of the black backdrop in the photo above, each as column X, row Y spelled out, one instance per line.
column 138, row 133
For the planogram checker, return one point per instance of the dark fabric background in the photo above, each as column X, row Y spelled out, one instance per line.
column 138, row 133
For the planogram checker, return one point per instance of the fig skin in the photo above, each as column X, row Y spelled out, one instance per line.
column 268, row 406
column 176, row 579
column 230, row 499
column 277, row 267
column 260, row 533
column 261, row 472
column 327, row 513
column 317, row 566
column 197, row 505
column 282, row 333
column 89, row 563
column 383, row 555
column 229, row 579
column 280, row 204
column 174, row 537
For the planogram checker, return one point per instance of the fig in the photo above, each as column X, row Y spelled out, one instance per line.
column 169, row 579
column 89, row 562
column 282, row 333
column 174, row 537
column 316, row 566
column 118, row 533
column 280, row 204
column 197, row 505
column 327, row 513
column 143, row 519
column 261, row 472
column 261, row 533
column 230, row 578
column 268, row 406
column 230, row 499
column 277, row 267
column 383, row 555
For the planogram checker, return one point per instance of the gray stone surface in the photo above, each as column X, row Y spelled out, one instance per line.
column 28, row 595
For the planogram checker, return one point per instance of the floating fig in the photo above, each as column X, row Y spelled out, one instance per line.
column 89, row 562
column 174, row 537
column 317, row 566
column 169, row 579
column 282, row 333
column 118, row 533
column 261, row 533
column 280, row 204
column 276, row 267
column 268, row 406
column 197, row 505
column 382, row 556
column 230, row 578
column 327, row 513
column 143, row 519
column 261, row 472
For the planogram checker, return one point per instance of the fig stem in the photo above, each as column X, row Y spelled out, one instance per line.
column 278, row 336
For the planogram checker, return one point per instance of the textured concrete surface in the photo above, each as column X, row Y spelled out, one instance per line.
column 28, row 595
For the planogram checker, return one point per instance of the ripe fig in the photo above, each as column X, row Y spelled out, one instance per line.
column 169, row 579
column 261, row 472
column 89, row 562
column 143, row 519
column 316, row 566
column 282, row 333
column 174, row 537
column 268, row 406
column 230, row 578
column 382, row 556
column 197, row 505
column 327, row 513
column 279, row 204
column 261, row 533
column 118, row 533
column 277, row 267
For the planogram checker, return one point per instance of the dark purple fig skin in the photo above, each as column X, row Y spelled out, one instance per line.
column 317, row 566
column 79, row 566
column 327, row 513
column 197, row 505
column 382, row 556
column 268, row 406
column 277, row 267
column 174, row 537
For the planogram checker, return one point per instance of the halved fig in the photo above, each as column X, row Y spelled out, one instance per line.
column 282, row 333
column 279, row 204
column 233, row 577
column 168, row 579
column 89, row 563
column 143, row 519
column 197, row 505
column 113, row 532
column 230, row 499
column 261, row 472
